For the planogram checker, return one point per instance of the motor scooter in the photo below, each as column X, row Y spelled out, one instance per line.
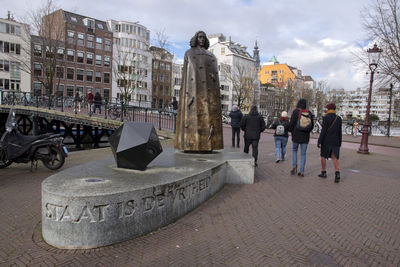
column 18, row 148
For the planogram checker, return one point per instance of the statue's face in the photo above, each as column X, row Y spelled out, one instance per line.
column 201, row 39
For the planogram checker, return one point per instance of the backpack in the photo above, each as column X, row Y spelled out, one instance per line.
column 280, row 130
column 304, row 122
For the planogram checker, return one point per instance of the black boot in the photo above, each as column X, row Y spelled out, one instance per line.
column 337, row 177
column 322, row 174
column 293, row 171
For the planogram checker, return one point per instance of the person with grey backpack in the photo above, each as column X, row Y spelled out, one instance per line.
column 281, row 136
column 301, row 124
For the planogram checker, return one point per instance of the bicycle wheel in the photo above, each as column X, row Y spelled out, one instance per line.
column 349, row 129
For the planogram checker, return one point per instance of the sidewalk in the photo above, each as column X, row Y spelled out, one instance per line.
column 281, row 220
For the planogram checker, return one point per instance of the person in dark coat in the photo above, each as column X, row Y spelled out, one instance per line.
column 97, row 102
column 174, row 106
column 252, row 124
column 330, row 140
column 236, row 116
column 281, row 138
column 78, row 101
column 300, row 137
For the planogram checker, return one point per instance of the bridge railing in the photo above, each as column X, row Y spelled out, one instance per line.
column 162, row 119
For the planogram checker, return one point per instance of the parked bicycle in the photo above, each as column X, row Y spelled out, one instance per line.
column 317, row 127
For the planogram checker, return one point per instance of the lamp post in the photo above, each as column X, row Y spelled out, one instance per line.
column 390, row 109
column 373, row 56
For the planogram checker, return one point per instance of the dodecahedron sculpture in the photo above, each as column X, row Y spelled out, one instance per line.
column 135, row 145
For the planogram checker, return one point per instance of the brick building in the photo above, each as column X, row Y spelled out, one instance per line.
column 161, row 77
column 84, row 55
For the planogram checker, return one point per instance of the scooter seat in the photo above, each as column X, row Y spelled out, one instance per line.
column 33, row 138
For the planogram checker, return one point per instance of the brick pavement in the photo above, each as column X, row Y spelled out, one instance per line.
column 281, row 220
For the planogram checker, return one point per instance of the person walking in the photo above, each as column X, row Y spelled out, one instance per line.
column 252, row 124
column 281, row 136
column 97, row 102
column 301, row 124
column 89, row 100
column 78, row 101
column 174, row 106
column 236, row 116
column 330, row 140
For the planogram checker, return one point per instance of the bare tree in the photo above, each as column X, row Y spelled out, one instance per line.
column 286, row 93
column 381, row 21
column 161, row 39
column 130, row 69
column 44, row 45
column 243, row 80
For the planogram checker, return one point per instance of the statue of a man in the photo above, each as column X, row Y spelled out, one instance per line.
column 199, row 120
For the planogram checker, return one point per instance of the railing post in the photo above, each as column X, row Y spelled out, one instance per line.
column 174, row 123
column 145, row 115
column 122, row 110
column 133, row 113
column 105, row 108
column 25, row 99
column 13, row 98
column 62, row 103
column 49, row 100
column 159, row 119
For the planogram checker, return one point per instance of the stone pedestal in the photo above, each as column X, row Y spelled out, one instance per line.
column 98, row 204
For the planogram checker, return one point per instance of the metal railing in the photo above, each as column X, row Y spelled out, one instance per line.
column 162, row 119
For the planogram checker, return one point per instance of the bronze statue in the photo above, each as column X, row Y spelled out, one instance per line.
column 199, row 120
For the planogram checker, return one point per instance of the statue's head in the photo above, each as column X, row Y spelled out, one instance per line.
column 200, row 39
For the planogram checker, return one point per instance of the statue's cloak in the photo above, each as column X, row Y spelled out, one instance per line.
column 199, row 120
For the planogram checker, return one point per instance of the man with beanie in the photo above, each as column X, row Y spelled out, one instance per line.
column 236, row 116
column 252, row 124
column 281, row 136
column 301, row 124
column 330, row 140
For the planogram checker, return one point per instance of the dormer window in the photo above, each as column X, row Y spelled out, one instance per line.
column 100, row 26
column 73, row 19
column 89, row 23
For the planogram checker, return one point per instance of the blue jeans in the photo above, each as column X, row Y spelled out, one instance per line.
column 280, row 144
column 303, row 151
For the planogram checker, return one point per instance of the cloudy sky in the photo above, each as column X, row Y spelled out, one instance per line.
column 317, row 36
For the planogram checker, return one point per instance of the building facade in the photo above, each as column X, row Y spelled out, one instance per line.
column 132, row 62
column 13, row 55
column 84, row 55
column 176, row 81
column 237, row 73
column 161, row 78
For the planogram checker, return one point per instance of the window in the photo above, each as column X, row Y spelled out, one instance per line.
column 167, row 66
column 99, row 43
column 89, row 76
column 49, row 52
column 106, row 61
column 81, row 39
column 73, row 19
column 60, row 53
column 7, row 65
column 107, row 44
column 37, row 69
column 18, row 49
column 90, row 40
column 37, row 89
column 70, row 37
column 106, row 94
column 37, row 50
column 70, row 55
column 60, row 72
column 70, row 90
column 100, row 26
column 70, row 73
column 89, row 59
column 155, row 65
column 79, row 75
column 161, row 77
column 98, row 76
column 60, row 90
column 98, row 60
column 106, row 77
column 162, row 65
column 79, row 57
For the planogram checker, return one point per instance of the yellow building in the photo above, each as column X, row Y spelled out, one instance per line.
column 277, row 74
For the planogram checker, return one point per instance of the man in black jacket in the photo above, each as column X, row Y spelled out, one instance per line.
column 300, row 136
column 252, row 124
column 236, row 116
column 330, row 140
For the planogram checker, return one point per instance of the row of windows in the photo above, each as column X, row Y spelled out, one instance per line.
column 10, row 66
column 79, row 39
column 274, row 72
column 160, row 77
column 10, row 28
column 71, row 74
column 72, row 54
column 130, row 83
column 10, row 84
column 129, row 42
column 11, row 48
column 131, row 70
column 161, row 89
column 161, row 65
column 132, row 29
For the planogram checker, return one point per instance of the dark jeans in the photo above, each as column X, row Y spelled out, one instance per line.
column 235, row 131
column 254, row 144
column 97, row 106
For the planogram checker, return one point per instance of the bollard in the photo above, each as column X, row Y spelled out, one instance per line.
column 159, row 119
column 122, row 110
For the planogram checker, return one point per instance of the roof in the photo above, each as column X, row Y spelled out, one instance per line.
column 308, row 78
column 78, row 19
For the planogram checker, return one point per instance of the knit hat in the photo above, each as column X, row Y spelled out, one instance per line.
column 331, row 106
column 284, row 114
column 234, row 108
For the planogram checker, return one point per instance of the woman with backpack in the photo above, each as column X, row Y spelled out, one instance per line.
column 301, row 124
column 330, row 140
column 281, row 136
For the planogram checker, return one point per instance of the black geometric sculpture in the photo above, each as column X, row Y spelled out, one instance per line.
column 135, row 145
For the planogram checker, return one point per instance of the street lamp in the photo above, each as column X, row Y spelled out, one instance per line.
column 373, row 56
